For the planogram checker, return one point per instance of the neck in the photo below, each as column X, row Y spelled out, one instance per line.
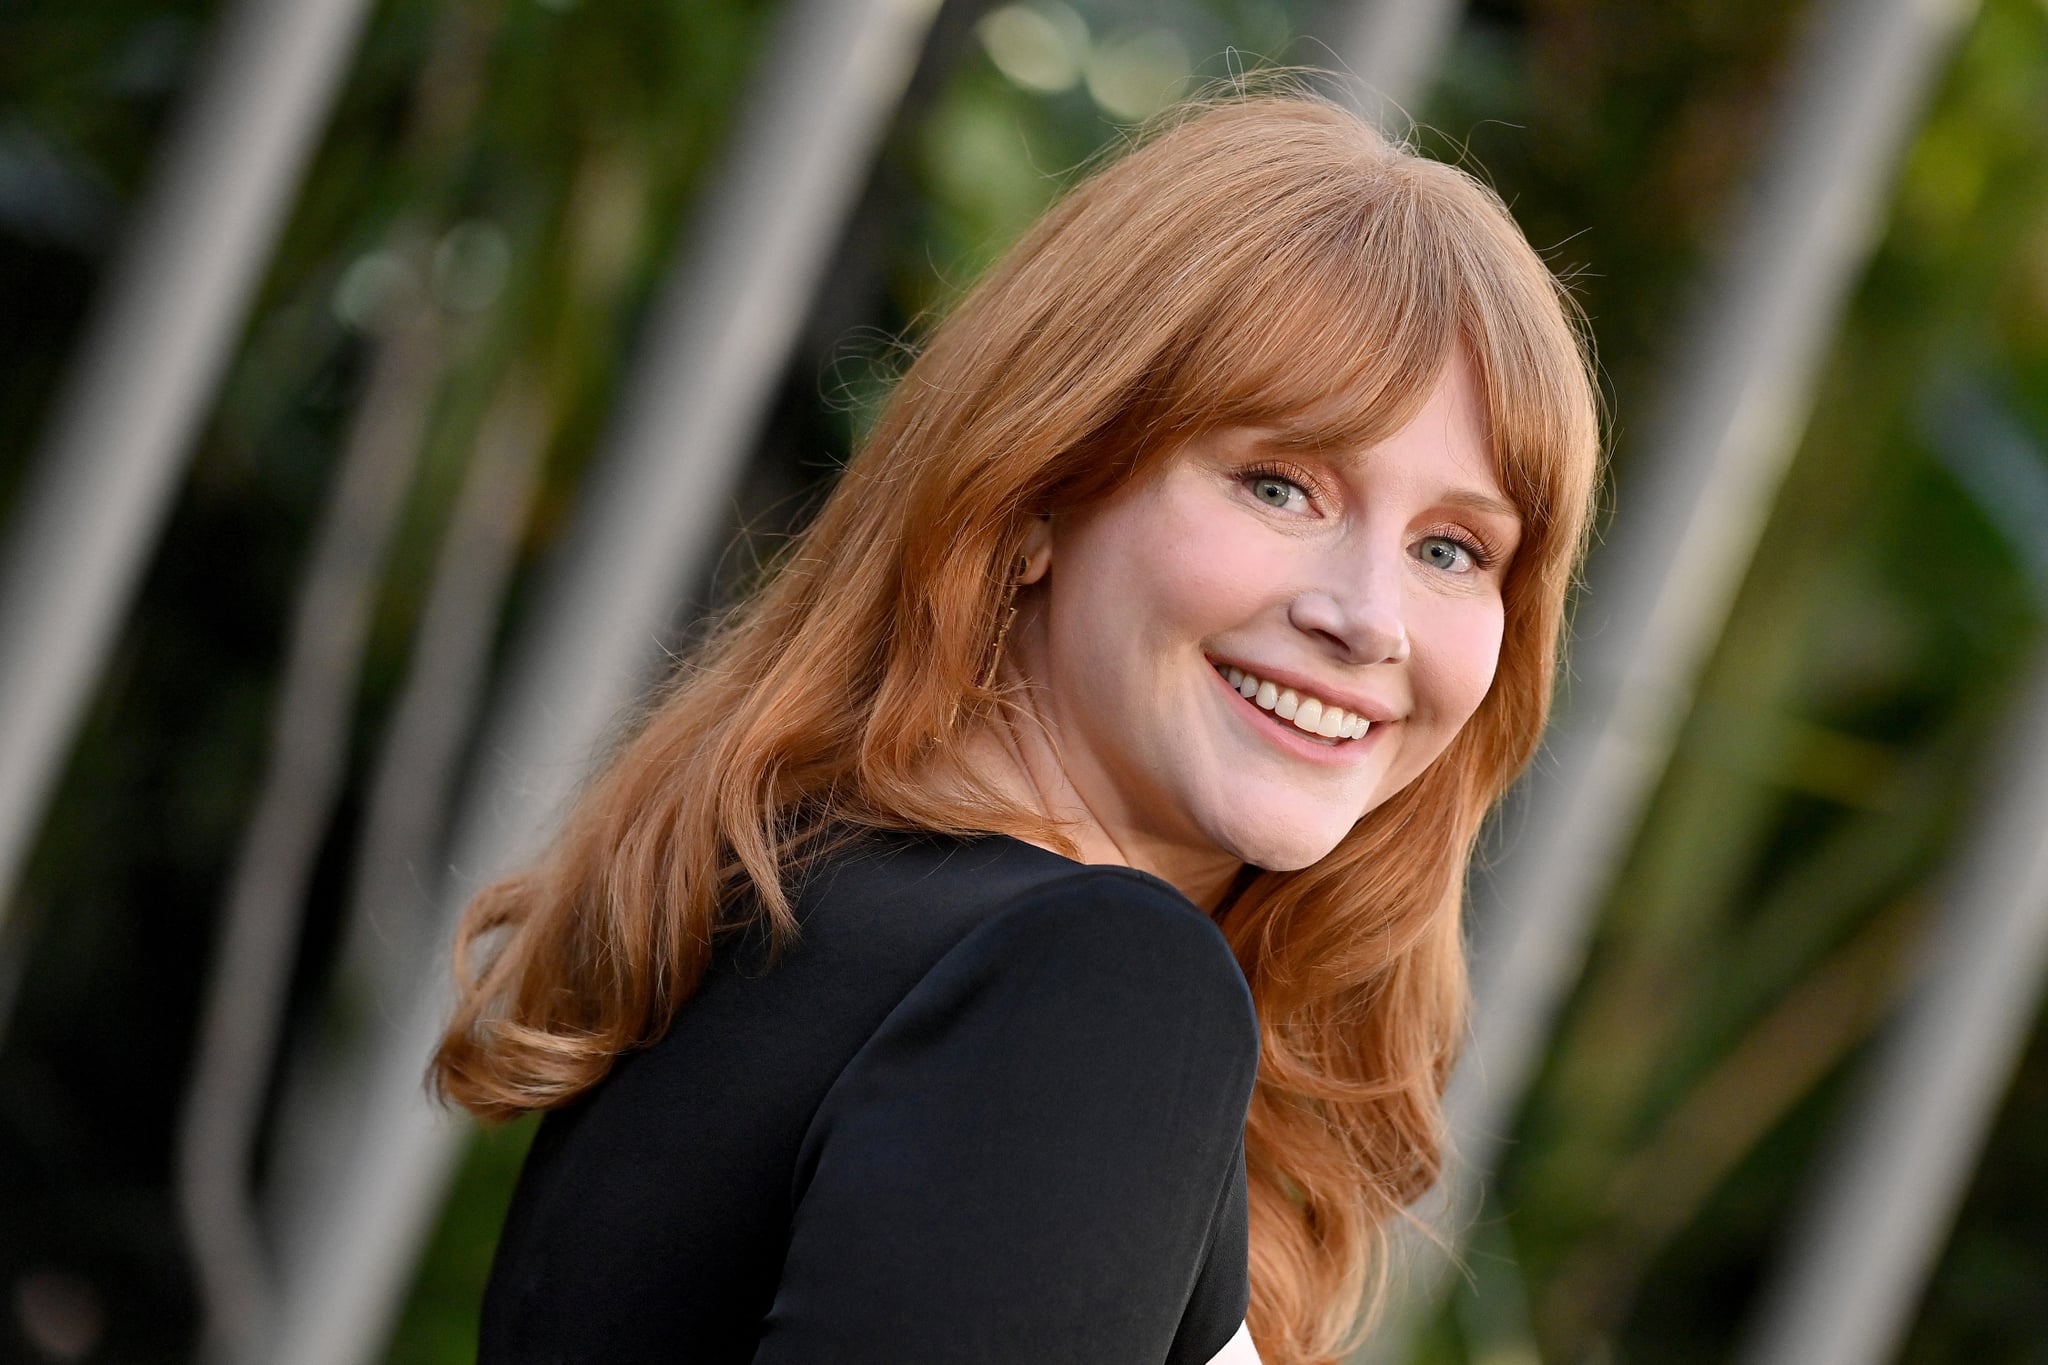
column 1017, row 754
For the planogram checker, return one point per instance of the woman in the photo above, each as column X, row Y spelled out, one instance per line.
column 1030, row 929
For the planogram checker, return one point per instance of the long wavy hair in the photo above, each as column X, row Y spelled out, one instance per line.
column 1256, row 260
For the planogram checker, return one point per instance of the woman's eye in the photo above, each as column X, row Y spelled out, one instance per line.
column 1444, row 553
column 1275, row 491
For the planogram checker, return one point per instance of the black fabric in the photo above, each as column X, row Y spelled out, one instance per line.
column 989, row 1108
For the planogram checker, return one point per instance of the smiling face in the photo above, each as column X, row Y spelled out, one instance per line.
column 1367, row 581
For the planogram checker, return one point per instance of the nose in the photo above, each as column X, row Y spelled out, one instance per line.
column 1363, row 618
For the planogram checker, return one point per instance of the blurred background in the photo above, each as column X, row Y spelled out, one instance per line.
column 384, row 387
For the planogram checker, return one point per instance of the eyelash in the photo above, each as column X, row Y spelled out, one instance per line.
column 1483, row 552
column 1285, row 473
column 1484, row 556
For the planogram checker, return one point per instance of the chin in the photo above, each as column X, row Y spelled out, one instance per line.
column 1283, row 850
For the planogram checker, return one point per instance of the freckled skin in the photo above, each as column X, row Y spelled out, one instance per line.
column 1356, row 570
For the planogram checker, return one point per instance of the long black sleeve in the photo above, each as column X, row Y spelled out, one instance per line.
column 1031, row 1158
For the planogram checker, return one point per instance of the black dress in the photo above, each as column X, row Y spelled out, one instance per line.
column 989, row 1108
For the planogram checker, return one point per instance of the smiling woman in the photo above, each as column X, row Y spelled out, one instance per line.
column 1029, row 929
column 1358, row 590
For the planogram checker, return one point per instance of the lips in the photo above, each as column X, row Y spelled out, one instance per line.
column 1301, row 744
column 1307, row 713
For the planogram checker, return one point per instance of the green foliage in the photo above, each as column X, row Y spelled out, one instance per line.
column 439, row 1325
column 1773, row 900
column 527, row 171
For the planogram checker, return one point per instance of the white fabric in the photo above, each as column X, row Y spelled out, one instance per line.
column 1238, row 1350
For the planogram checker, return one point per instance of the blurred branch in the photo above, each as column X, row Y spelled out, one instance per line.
column 2000, row 465
column 1811, row 905
column 245, row 1013
column 417, row 762
column 659, row 501
column 1778, row 1063
column 1389, row 53
column 164, row 326
column 1659, row 592
column 395, row 880
column 1885, row 1197
column 259, row 929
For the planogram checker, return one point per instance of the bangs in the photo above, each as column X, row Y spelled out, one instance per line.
column 1335, row 337
column 1285, row 269
column 1334, row 340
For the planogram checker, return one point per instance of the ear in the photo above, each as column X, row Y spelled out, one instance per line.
column 1036, row 548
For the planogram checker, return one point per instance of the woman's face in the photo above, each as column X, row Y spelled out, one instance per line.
column 1367, row 582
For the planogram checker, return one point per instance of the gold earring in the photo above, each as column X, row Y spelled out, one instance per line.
column 1018, row 568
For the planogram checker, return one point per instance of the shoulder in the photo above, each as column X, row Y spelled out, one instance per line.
column 896, row 907
column 935, row 953
column 1044, row 1137
column 1115, row 925
column 1094, row 1026
column 1111, row 963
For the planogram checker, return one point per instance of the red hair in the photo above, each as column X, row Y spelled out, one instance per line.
column 1265, row 260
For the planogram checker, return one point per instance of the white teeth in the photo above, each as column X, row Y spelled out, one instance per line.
column 1310, row 714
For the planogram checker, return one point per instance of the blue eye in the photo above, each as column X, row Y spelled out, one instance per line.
column 1444, row 553
column 1277, row 491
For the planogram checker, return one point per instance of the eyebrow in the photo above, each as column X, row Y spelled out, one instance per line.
column 1476, row 501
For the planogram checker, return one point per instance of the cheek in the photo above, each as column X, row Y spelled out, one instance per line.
column 1216, row 571
column 1464, row 654
column 1170, row 570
